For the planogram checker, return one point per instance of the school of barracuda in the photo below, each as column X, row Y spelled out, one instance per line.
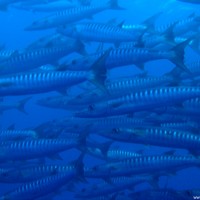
column 106, row 113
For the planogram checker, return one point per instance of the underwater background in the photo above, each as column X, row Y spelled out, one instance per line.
column 76, row 119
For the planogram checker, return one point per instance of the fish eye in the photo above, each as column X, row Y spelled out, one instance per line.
column 91, row 107
column 115, row 130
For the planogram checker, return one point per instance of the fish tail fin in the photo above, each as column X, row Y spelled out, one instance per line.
column 169, row 34
column 98, row 73
column 179, row 57
column 82, row 138
column 80, row 48
column 21, row 105
column 105, row 147
column 194, row 44
column 80, row 168
column 113, row 4
column 150, row 22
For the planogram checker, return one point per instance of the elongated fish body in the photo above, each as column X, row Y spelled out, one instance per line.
column 53, row 40
column 155, row 41
column 137, row 56
column 9, row 135
column 6, row 54
column 140, row 101
column 34, row 58
column 125, row 85
column 120, row 57
column 70, row 15
column 134, row 27
column 59, row 102
column 190, row 1
column 34, row 172
column 30, row 149
column 117, row 184
column 39, row 82
column 188, row 126
column 194, row 67
column 164, row 194
column 53, row 6
column 54, row 128
column 157, row 136
column 115, row 154
column 189, row 24
column 192, row 106
column 104, row 151
column 142, row 165
column 39, row 188
column 116, row 88
column 97, row 32
column 118, row 121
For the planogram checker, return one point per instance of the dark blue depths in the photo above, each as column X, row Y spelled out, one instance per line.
column 99, row 99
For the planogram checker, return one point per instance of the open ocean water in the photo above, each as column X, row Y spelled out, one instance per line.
column 99, row 100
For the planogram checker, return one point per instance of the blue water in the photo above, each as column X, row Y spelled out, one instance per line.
column 12, row 34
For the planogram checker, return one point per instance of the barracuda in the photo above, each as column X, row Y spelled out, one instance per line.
column 117, row 184
column 30, row 149
column 53, row 6
column 34, row 172
column 187, row 126
column 39, row 188
column 53, row 40
column 164, row 194
column 6, row 54
column 8, row 135
column 140, row 101
column 115, row 88
column 190, row 1
column 156, row 136
column 39, row 82
column 104, row 151
column 192, row 106
column 45, row 81
column 31, row 59
column 71, row 15
column 97, row 32
column 142, row 165
column 130, row 56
